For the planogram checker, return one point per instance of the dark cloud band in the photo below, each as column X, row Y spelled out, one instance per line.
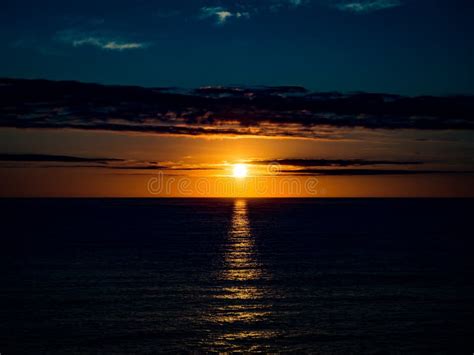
column 54, row 158
column 261, row 111
column 332, row 162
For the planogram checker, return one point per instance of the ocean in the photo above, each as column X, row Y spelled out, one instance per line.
column 321, row 276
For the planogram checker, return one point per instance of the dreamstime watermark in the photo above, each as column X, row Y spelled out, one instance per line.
column 271, row 183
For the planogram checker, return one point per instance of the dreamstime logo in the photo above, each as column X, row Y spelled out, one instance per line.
column 274, row 168
column 271, row 184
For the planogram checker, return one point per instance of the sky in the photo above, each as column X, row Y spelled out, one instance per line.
column 316, row 98
column 409, row 47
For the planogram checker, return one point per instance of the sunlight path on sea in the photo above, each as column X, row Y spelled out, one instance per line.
column 241, row 305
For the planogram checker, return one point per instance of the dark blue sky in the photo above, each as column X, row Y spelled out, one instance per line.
column 400, row 46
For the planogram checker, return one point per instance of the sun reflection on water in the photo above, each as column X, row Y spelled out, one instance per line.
column 241, row 303
column 240, row 259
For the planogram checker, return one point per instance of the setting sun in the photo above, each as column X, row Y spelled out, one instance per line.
column 240, row 171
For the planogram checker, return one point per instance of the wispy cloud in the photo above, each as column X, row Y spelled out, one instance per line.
column 366, row 6
column 106, row 44
column 9, row 160
column 241, row 10
column 221, row 15
column 79, row 39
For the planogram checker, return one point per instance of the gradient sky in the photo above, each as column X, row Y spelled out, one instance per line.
column 223, row 64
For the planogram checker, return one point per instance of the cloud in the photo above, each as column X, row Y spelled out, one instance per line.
column 106, row 44
column 54, row 158
column 79, row 39
column 66, row 161
column 221, row 14
column 223, row 111
column 246, row 9
column 222, row 91
column 366, row 6
column 294, row 162
column 112, row 45
column 368, row 172
column 289, row 167
column 315, row 166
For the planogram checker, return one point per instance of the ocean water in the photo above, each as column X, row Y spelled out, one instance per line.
column 362, row 276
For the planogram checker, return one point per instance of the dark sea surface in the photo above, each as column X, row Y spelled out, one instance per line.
column 360, row 276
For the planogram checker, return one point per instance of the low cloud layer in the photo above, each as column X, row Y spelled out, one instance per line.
column 55, row 158
column 332, row 162
column 228, row 111
column 368, row 172
column 68, row 161
column 347, row 167
column 286, row 167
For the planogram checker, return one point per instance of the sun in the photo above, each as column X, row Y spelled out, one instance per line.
column 240, row 171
